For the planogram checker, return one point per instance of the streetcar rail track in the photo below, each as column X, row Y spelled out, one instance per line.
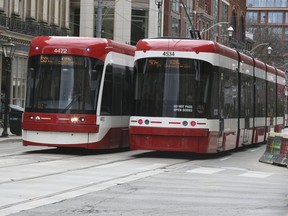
column 90, row 187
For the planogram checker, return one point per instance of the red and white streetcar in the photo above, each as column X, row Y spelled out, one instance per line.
column 79, row 93
column 201, row 96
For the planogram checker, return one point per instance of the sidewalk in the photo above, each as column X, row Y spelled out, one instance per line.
column 11, row 137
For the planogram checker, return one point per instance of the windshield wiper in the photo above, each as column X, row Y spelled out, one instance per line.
column 74, row 99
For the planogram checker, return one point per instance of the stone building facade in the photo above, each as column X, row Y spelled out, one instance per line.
column 21, row 20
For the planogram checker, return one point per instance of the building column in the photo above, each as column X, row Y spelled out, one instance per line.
column 153, row 19
column 2, row 5
column 55, row 13
column 44, row 11
column 66, row 17
column 86, row 18
column 15, row 9
column 32, row 10
column 122, row 21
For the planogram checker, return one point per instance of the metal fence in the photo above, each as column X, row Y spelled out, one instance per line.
column 31, row 27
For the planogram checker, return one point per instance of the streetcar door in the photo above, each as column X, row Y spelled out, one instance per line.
column 246, row 107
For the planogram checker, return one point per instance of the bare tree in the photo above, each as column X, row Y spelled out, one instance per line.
column 271, row 36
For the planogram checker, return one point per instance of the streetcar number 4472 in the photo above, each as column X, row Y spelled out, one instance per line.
column 61, row 50
column 168, row 53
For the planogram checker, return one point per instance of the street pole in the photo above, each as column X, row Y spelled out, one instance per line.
column 8, row 53
column 7, row 63
column 99, row 19
column 159, row 4
column 159, row 20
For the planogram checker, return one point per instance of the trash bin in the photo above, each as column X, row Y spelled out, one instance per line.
column 15, row 119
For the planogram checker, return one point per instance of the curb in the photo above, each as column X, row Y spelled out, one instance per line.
column 12, row 138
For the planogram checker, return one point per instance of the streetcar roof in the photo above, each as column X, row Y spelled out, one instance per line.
column 84, row 46
column 188, row 45
column 198, row 46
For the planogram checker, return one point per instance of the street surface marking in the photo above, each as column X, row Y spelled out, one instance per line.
column 257, row 149
column 75, row 192
column 255, row 174
column 235, row 168
column 152, row 166
column 205, row 170
column 246, row 173
column 225, row 158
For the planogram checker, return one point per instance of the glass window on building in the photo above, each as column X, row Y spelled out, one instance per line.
column 252, row 17
column 262, row 17
column 286, row 18
column 275, row 17
column 175, row 27
column 286, row 33
column 139, row 25
column 284, row 3
column 250, row 3
column 225, row 13
column 277, row 30
column 18, row 80
column 267, row 3
column 175, row 6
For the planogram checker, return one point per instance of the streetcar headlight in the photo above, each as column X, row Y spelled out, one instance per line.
column 31, row 117
column 74, row 119
column 82, row 119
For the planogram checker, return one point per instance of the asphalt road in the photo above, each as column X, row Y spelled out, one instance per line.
column 37, row 181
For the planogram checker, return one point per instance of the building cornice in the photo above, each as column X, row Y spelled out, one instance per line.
column 16, row 37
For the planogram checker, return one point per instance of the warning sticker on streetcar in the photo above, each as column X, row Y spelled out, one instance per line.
column 182, row 108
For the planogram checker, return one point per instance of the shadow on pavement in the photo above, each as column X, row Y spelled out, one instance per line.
column 195, row 156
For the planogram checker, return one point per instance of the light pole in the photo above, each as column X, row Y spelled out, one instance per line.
column 159, row 4
column 8, row 52
column 216, row 24
column 269, row 48
column 252, row 54
column 230, row 30
column 282, row 66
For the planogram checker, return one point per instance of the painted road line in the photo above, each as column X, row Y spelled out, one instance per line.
column 205, row 170
column 255, row 174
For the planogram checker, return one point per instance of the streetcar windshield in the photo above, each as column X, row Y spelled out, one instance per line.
column 172, row 87
column 63, row 84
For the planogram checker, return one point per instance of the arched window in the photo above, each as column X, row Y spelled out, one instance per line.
column 234, row 21
column 242, row 28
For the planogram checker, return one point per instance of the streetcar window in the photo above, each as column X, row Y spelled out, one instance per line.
column 172, row 87
column 63, row 84
column 260, row 97
column 246, row 98
column 117, row 93
column 230, row 93
column 271, row 103
column 280, row 100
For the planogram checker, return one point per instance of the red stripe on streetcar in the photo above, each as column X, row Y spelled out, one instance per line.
column 61, row 128
column 168, row 131
column 174, row 122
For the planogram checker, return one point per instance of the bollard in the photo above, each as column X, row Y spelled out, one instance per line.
column 267, row 157
column 276, row 149
column 282, row 158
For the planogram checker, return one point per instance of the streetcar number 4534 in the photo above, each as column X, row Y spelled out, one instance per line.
column 168, row 53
